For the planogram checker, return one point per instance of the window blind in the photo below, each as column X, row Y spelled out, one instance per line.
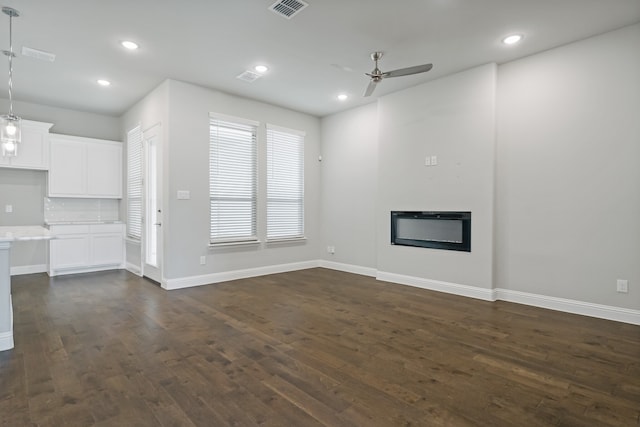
column 232, row 179
column 285, row 183
column 134, row 183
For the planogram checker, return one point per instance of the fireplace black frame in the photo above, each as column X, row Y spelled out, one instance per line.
column 465, row 217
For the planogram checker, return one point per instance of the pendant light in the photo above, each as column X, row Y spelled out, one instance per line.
column 10, row 134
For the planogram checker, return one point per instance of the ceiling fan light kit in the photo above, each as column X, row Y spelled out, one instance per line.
column 10, row 132
column 377, row 75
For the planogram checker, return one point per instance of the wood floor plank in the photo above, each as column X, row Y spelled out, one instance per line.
column 314, row 347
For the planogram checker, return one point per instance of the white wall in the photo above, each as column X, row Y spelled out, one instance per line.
column 568, row 181
column 186, row 148
column 150, row 111
column 24, row 190
column 452, row 118
column 349, row 185
column 68, row 122
column 542, row 150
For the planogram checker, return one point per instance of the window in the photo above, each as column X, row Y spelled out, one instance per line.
column 134, row 183
column 232, row 179
column 285, row 183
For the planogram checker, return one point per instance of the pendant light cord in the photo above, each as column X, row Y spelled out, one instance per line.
column 10, row 65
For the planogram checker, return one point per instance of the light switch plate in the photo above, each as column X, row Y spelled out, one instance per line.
column 184, row 194
column 8, row 208
column 622, row 286
column 427, row 161
column 434, row 160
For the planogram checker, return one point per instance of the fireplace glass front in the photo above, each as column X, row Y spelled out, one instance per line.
column 437, row 230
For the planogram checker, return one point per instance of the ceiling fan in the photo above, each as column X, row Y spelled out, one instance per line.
column 377, row 75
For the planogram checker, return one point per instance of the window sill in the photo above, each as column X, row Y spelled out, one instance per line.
column 287, row 240
column 239, row 243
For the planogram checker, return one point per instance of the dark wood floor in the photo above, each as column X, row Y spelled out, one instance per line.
column 310, row 348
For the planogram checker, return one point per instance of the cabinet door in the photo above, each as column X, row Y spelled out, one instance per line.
column 106, row 249
column 70, row 251
column 104, row 170
column 33, row 151
column 67, row 173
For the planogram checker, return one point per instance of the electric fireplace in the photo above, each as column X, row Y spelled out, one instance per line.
column 437, row 230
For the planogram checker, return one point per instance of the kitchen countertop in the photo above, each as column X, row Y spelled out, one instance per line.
column 24, row 232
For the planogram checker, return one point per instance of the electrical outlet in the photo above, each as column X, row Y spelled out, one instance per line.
column 203, row 260
column 8, row 208
column 331, row 249
column 622, row 286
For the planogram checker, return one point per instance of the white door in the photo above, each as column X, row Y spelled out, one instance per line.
column 152, row 227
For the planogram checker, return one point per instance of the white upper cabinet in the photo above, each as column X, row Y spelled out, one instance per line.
column 68, row 170
column 85, row 167
column 33, row 150
column 104, row 170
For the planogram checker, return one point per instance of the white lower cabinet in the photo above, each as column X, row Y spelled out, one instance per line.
column 69, row 251
column 80, row 248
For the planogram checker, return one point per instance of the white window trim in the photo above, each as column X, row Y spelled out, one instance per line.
column 239, row 120
column 222, row 244
column 287, row 240
column 302, row 135
column 287, row 130
column 231, row 241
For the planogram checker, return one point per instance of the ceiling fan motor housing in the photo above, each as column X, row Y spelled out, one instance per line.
column 377, row 75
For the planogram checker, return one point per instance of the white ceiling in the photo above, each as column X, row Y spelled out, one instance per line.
column 209, row 42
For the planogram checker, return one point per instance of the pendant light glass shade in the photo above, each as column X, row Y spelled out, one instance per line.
column 10, row 132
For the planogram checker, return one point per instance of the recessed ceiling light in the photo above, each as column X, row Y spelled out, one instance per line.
column 261, row 68
column 343, row 97
column 512, row 39
column 103, row 82
column 130, row 45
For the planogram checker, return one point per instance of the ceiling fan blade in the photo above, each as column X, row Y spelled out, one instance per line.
column 408, row 71
column 370, row 88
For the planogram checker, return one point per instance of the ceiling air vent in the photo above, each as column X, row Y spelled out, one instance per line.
column 38, row 54
column 248, row 76
column 288, row 8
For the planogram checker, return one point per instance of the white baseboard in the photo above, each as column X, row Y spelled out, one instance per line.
column 28, row 269
column 600, row 311
column 349, row 268
column 206, row 279
column 63, row 272
column 437, row 285
column 559, row 304
column 6, row 338
column 132, row 268
column 582, row 308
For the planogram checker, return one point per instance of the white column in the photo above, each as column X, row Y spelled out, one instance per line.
column 6, row 310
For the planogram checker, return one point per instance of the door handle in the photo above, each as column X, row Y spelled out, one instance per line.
column 158, row 224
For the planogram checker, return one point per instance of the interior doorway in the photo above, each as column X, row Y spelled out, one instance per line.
column 152, row 228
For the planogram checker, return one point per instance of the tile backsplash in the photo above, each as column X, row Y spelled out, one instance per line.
column 58, row 209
